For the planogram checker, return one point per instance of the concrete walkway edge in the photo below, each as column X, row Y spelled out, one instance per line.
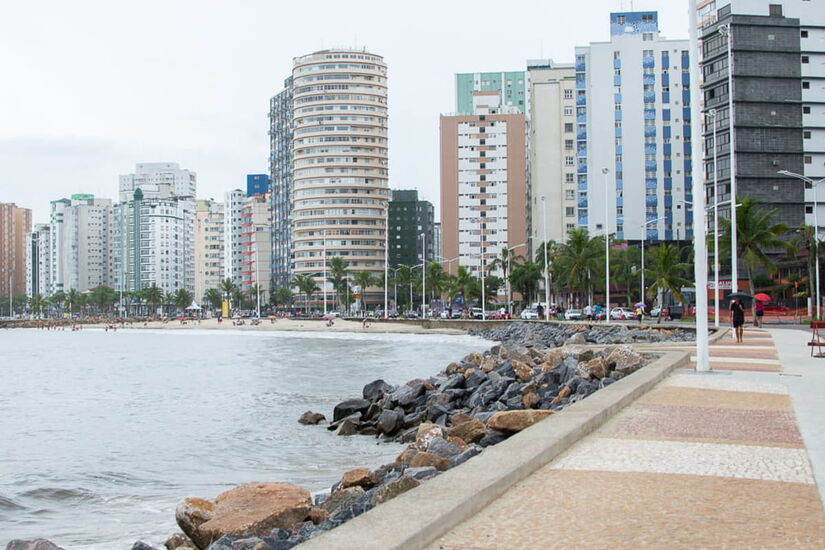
column 419, row 517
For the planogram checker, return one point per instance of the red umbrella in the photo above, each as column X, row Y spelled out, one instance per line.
column 762, row 297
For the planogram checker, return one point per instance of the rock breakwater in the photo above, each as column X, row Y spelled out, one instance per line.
column 558, row 334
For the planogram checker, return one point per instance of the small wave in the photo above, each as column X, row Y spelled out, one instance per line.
column 59, row 494
column 10, row 504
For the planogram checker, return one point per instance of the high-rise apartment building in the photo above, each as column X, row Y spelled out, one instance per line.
column 552, row 152
column 412, row 227
column 154, row 229
column 340, row 174
column 511, row 85
column 209, row 246
column 38, row 260
column 764, row 87
column 257, row 184
column 633, row 142
column 233, row 229
column 80, row 243
column 483, row 180
column 280, row 175
column 15, row 223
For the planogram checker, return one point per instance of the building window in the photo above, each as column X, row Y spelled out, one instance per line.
column 569, row 194
column 568, row 94
column 568, row 144
column 620, row 19
column 568, row 161
column 568, row 111
column 808, row 159
column 806, row 110
column 570, row 211
column 806, row 85
column 806, row 59
column 804, row 34
column 806, row 134
column 568, row 126
column 569, row 178
column 647, row 36
column 617, row 54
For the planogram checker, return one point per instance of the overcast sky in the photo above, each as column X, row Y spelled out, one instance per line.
column 89, row 88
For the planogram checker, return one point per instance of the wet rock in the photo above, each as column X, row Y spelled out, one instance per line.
column 389, row 422
column 348, row 408
column 178, row 540
column 342, row 498
column 312, row 418
column 456, row 381
column 406, row 395
column 190, row 514
column 515, row 421
column 422, row 473
column 255, row 508
column 466, row 455
column 348, row 426
column 362, row 477
column 225, row 542
column 423, row 459
column 375, row 390
column 492, row 437
column 335, row 425
column 35, row 544
column 470, row 431
column 140, row 545
column 393, row 489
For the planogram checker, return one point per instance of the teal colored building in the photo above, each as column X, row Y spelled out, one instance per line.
column 512, row 85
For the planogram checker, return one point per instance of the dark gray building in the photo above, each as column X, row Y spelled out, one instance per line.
column 411, row 218
column 767, row 110
column 280, row 174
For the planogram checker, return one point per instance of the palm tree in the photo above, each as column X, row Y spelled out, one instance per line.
column 625, row 268
column 756, row 234
column 337, row 275
column 282, row 296
column 182, row 299
column 438, row 280
column 213, row 297
column 103, row 297
column 57, row 300
column 506, row 260
column 71, row 299
column 578, row 261
column 666, row 270
column 227, row 287
column 306, row 285
column 153, row 295
column 37, row 303
column 364, row 279
column 525, row 278
column 404, row 277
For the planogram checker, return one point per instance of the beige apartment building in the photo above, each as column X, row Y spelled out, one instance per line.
column 483, row 183
column 340, row 176
column 209, row 246
column 15, row 222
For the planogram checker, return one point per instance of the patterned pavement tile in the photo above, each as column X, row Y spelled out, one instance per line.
column 558, row 509
column 736, row 426
column 714, row 382
column 679, row 457
column 717, row 399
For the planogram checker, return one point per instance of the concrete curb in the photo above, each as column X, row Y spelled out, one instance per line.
column 419, row 517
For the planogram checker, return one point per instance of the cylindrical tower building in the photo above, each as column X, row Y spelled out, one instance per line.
column 340, row 177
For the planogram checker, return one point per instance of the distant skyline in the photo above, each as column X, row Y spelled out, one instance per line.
column 92, row 88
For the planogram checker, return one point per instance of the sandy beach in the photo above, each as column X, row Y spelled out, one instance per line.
column 303, row 325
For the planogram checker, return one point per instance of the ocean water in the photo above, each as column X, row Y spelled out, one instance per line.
column 102, row 433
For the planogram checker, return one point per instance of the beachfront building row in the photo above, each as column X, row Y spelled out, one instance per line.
column 15, row 224
column 248, row 241
column 329, row 167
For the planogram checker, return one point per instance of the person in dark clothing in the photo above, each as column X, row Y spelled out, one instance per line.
column 737, row 317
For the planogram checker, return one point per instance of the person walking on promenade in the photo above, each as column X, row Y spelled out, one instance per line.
column 737, row 316
column 760, row 312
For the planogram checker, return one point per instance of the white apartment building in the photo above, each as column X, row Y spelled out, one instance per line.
column 80, row 243
column 38, row 260
column 633, row 147
column 552, row 151
column 209, row 246
column 154, row 229
column 232, row 234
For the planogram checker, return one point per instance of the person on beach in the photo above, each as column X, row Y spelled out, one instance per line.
column 760, row 312
column 737, row 316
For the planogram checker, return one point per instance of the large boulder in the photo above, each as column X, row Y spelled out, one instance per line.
column 523, row 371
column 595, row 369
column 552, row 359
column 349, row 407
column 375, row 390
column 393, row 489
column 424, row 459
column 406, row 394
column 426, row 434
column 624, row 360
column 470, row 431
column 515, row 421
column 575, row 339
column 389, row 421
column 140, row 545
column 348, row 426
column 178, row 540
column 475, row 358
column 35, row 544
column 254, row 508
column 342, row 499
column 442, row 447
column 191, row 513
column 362, row 477
column 579, row 353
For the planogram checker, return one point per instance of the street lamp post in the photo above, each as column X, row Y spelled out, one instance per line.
column 813, row 183
column 424, row 276
column 324, row 282
column 544, row 247
column 386, row 256
column 712, row 114
column 606, row 171
column 725, row 30
column 507, row 279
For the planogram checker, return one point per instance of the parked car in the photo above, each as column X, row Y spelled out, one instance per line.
column 529, row 314
column 477, row 313
column 622, row 313
column 573, row 315
column 655, row 311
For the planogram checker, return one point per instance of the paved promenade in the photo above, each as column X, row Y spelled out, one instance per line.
column 728, row 459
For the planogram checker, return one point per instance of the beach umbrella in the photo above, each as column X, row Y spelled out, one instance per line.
column 762, row 297
column 640, row 304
